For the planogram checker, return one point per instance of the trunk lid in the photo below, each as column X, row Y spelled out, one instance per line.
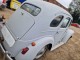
column 20, row 23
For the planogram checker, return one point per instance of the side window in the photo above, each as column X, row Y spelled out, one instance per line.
column 65, row 23
column 56, row 21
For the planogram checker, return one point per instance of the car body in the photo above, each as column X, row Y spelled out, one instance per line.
column 34, row 26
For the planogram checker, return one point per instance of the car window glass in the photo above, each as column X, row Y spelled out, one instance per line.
column 56, row 21
column 65, row 23
column 33, row 10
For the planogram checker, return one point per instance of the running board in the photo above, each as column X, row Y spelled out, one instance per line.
column 58, row 45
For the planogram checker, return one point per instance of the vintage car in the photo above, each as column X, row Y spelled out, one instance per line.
column 33, row 28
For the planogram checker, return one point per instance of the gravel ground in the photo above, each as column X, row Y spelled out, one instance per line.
column 7, row 13
column 68, row 51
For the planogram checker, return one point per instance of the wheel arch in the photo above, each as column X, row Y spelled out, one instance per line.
column 33, row 50
column 49, row 46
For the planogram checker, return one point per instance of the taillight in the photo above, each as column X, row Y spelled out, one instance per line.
column 4, row 1
column 24, row 50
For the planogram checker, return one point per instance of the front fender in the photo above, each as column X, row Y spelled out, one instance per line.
column 33, row 50
column 69, row 33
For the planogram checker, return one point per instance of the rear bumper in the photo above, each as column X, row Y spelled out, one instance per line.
column 5, row 52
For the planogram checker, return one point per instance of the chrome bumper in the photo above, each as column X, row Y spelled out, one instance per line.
column 5, row 53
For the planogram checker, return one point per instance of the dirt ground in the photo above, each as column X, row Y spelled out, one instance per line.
column 7, row 13
column 68, row 51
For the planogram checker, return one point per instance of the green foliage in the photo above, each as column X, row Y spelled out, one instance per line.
column 74, row 9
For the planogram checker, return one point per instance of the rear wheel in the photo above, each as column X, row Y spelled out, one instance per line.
column 40, row 53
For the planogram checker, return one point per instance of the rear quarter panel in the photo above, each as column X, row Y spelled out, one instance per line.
column 33, row 50
column 69, row 33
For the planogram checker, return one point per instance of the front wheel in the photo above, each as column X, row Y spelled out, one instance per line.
column 40, row 53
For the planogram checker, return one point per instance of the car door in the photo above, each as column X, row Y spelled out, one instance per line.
column 62, row 30
column 54, row 26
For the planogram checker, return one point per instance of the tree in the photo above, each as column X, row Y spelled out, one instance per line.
column 74, row 9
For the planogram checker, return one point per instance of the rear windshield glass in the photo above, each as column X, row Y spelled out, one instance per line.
column 32, row 9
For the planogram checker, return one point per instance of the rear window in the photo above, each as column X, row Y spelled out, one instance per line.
column 32, row 9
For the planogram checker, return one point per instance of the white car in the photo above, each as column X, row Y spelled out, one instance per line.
column 35, row 27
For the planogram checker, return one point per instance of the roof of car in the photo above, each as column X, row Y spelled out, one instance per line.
column 47, row 6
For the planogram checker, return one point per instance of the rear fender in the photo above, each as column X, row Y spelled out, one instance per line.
column 33, row 50
column 69, row 33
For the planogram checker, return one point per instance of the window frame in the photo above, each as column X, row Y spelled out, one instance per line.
column 68, row 23
column 31, row 5
column 59, row 22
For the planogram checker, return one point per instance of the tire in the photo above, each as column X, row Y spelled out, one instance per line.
column 40, row 53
